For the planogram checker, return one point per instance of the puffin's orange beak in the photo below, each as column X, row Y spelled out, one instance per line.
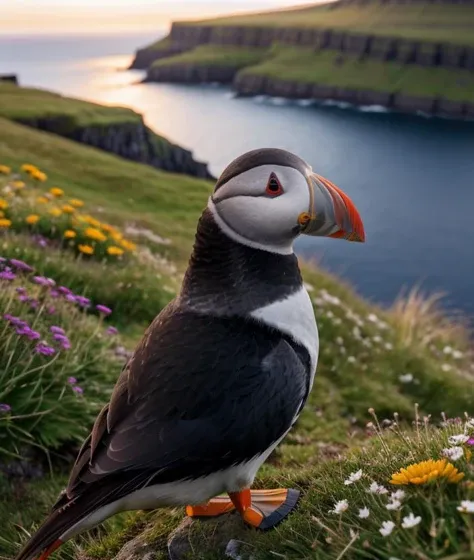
column 331, row 212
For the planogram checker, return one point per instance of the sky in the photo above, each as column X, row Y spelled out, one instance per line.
column 60, row 16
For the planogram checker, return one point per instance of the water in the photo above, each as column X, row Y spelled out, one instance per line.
column 412, row 178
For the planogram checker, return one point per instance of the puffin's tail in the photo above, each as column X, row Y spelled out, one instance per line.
column 48, row 537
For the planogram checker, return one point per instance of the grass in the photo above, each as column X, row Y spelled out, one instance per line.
column 29, row 104
column 451, row 23
column 388, row 360
column 209, row 55
column 331, row 68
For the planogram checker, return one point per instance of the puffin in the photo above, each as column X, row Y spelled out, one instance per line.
column 223, row 372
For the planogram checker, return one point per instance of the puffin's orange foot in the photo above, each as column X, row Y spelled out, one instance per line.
column 216, row 506
column 264, row 509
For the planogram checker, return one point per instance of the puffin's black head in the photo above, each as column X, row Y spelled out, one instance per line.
column 267, row 197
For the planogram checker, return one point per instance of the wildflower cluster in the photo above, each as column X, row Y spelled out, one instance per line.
column 416, row 507
column 55, row 359
column 50, row 214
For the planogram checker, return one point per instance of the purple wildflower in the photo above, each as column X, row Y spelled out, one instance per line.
column 63, row 340
column 72, row 380
column 470, row 441
column 34, row 303
column 78, row 389
column 43, row 281
column 10, row 318
column 24, row 298
column 111, row 330
column 44, row 349
column 54, row 293
column 56, row 330
column 20, row 265
column 103, row 309
column 21, row 290
column 63, row 290
column 5, row 407
column 28, row 332
column 71, row 298
column 42, row 241
column 51, row 310
column 83, row 301
column 7, row 275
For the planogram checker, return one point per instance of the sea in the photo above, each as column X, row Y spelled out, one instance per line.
column 411, row 176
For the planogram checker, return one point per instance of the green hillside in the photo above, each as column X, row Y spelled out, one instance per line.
column 452, row 23
column 370, row 358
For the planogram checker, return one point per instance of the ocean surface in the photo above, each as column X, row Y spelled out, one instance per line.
column 412, row 178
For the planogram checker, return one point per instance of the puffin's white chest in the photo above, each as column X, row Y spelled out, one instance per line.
column 294, row 316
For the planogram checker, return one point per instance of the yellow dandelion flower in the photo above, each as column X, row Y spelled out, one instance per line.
column 108, row 228
column 5, row 170
column 28, row 168
column 128, row 245
column 55, row 212
column 68, row 209
column 3, row 204
column 76, row 203
column 95, row 234
column 42, row 200
column 4, row 223
column 116, row 235
column 86, row 249
column 18, row 185
column 69, row 234
column 427, row 471
column 91, row 221
column 38, row 175
column 114, row 251
column 56, row 191
column 32, row 219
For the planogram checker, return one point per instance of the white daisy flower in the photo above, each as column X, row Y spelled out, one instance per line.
column 446, row 367
column 398, row 495
column 339, row 340
column 388, row 346
column 394, row 505
column 375, row 488
column 377, row 338
column 458, row 439
column 410, row 521
column 447, row 350
column 470, row 423
column 387, row 528
column 453, row 453
column 467, row 506
column 351, row 360
column 457, row 354
column 364, row 513
column 353, row 477
column 340, row 507
column 406, row 378
column 372, row 318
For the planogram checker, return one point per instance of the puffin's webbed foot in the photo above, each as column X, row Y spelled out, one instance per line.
column 262, row 509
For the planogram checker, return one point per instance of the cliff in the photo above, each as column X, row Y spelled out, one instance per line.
column 113, row 129
column 424, row 63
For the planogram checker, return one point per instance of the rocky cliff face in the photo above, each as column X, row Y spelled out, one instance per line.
column 253, row 84
column 185, row 37
column 130, row 140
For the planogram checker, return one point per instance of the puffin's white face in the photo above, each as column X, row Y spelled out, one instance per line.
column 269, row 205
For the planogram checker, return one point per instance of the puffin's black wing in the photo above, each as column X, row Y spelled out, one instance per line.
column 200, row 394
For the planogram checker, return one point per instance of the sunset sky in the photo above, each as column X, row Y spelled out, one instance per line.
column 60, row 16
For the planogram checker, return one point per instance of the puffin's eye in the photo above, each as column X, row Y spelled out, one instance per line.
column 274, row 187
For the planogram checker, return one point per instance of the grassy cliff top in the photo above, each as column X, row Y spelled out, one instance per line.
column 332, row 68
column 20, row 103
column 451, row 23
column 209, row 55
